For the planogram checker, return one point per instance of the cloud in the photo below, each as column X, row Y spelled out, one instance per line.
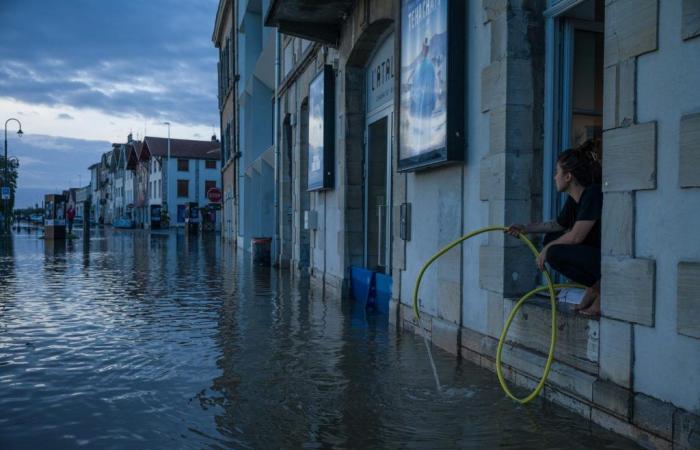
column 151, row 58
column 49, row 164
column 65, row 116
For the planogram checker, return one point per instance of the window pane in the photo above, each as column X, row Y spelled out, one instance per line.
column 288, row 58
column 183, row 165
column 182, row 188
column 587, row 92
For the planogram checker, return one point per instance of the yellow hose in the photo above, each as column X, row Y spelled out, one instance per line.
column 552, row 297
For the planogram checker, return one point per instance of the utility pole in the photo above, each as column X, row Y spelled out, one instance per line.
column 167, row 178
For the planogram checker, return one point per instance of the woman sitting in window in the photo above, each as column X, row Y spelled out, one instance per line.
column 572, row 242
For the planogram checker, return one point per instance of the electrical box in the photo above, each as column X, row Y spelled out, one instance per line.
column 310, row 220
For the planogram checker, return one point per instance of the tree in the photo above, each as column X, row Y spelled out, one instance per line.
column 12, row 175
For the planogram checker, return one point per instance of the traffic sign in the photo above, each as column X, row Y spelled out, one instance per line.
column 5, row 192
column 214, row 195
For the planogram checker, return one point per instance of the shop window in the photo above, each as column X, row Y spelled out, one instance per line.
column 183, row 188
column 183, row 165
column 210, row 164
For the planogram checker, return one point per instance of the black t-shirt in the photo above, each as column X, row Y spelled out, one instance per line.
column 589, row 207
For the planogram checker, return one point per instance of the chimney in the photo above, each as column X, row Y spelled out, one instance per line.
column 213, row 138
column 129, row 138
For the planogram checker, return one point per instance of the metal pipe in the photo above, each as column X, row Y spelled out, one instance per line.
column 167, row 178
column 276, row 142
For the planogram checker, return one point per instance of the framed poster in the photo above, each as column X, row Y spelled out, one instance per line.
column 431, row 110
column 322, row 130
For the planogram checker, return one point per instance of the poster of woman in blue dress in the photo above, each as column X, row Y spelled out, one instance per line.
column 423, row 76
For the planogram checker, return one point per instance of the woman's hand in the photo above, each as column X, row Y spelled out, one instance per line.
column 516, row 229
column 541, row 259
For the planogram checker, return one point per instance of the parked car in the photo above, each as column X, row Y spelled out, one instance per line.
column 36, row 218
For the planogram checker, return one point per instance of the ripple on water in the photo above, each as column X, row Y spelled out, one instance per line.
column 170, row 342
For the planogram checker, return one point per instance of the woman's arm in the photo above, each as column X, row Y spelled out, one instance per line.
column 574, row 236
column 545, row 227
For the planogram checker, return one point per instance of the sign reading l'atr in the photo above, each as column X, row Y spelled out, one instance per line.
column 380, row 76
column 431, row 111
column 322, row 130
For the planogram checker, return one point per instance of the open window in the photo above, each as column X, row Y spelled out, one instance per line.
column 573, row 84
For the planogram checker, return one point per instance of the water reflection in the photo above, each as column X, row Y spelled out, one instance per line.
column 162, row 340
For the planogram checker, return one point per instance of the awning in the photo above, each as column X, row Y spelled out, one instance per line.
column 315, row 20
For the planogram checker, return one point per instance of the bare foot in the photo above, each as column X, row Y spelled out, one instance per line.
column 592, row 293
column 594, row 309
column 586, row 300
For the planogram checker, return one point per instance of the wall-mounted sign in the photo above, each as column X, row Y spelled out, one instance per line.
column 380, row 76
column 322, row 130
column 431, row 127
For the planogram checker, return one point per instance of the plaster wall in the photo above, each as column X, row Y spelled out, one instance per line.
column 667, row 217
column 476, row 212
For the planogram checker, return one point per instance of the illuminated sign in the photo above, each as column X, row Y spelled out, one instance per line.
column 322, row 130
column 431, row 108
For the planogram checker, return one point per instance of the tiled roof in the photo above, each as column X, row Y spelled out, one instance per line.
column 182, row 148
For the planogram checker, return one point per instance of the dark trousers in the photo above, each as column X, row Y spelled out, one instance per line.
column 579, row 263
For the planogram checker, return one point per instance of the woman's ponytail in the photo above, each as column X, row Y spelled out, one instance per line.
column 584, row 162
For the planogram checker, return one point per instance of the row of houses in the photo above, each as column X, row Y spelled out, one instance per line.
column 369, row 133
column 152, row 181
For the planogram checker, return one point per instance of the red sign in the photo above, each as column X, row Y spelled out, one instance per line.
column 214, row 195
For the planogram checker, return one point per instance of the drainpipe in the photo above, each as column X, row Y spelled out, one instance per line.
column 276, row 143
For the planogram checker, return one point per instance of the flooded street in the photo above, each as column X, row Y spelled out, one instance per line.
column 150, row 341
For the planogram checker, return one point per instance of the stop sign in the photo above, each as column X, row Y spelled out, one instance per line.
column 214, row 195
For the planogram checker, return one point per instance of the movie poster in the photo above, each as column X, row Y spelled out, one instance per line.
column 316, row 132
column 423, row 109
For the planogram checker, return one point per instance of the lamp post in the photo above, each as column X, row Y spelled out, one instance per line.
column 6, row 178
column 167, row 178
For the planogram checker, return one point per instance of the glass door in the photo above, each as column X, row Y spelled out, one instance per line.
column 377, row 193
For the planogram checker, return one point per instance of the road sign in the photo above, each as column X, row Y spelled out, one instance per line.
column 214, row 195
column 5, row 192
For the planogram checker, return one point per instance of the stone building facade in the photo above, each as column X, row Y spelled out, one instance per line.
column 246, row 105
column 540, row 76
column 224, row 39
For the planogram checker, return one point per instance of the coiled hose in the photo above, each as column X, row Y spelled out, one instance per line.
column 552, row 297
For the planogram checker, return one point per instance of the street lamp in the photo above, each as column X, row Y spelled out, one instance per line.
column 167, row 178
column 6, row 178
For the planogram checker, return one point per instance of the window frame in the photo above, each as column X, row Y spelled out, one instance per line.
column 207, row 162
column 559, row 64
column 187, row 193
column 179, row 164
column 207, row 182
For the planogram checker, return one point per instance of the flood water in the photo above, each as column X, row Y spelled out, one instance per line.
column 161, row 341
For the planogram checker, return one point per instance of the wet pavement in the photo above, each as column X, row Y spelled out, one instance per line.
column 143, row 340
